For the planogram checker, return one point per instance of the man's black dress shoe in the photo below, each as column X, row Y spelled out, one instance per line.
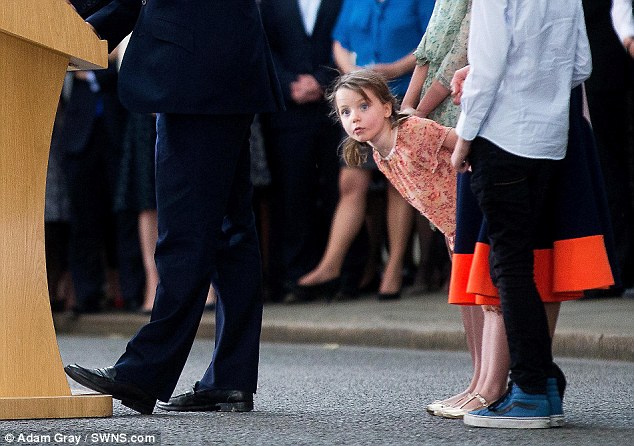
column 209, row 400
column 104, row 381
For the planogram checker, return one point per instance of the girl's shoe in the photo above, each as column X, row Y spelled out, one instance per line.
column 434, row 407
column 460, row 411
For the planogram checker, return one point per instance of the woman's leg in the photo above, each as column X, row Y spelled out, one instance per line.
column 347, row 221
column 552, row 314
column 400, row 219
column 148, row 234
column 425, row 234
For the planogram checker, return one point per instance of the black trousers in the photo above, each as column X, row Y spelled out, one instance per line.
column 207, row 234
column 511, row 191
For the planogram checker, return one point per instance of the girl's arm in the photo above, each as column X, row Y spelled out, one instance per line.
column 450, row 140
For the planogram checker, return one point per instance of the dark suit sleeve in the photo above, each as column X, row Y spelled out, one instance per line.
column 116, row 20
column 274, row 32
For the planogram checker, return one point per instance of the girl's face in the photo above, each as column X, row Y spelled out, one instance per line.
column 364, row 120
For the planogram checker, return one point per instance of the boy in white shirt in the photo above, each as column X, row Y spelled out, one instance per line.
column 525, row 57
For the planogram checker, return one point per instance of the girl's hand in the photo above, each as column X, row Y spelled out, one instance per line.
column 456, row 84
column 459, row 157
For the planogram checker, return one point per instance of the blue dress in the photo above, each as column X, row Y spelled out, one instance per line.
column 383, row 32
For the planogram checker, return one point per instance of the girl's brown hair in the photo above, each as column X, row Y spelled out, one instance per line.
column 355, row 153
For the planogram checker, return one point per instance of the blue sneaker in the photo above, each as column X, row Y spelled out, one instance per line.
column 517, row 410
column 556, row 403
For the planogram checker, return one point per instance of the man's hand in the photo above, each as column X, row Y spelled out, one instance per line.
column 456, row 84
column 306, row 89
column 81, row 75
column 459, row 157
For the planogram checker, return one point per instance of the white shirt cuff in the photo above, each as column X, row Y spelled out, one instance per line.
column 467, row 129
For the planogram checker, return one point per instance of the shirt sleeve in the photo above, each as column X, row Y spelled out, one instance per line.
column 489, row 43
column 115, row 21
column 622, row 18
column 583, row 57
column 420, row 53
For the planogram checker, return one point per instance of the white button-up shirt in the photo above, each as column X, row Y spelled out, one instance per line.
column 525, row 57
column 622, row 18
column 309, row 9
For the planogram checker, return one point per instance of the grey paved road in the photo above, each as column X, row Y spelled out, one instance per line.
column 330, row 394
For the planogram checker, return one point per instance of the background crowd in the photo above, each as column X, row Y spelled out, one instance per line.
column 327, row 231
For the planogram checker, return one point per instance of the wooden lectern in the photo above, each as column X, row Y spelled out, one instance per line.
column 38, row 41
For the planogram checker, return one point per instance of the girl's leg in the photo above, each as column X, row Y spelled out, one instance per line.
column 347, row 221
column 496, row 359
column 148, row 234
column 400, row 219
column 473, row 321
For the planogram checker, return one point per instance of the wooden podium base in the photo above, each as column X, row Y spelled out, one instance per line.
column 75, row 406
column 38, row 40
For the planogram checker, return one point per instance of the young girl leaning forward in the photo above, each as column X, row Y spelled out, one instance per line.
column 413, row 153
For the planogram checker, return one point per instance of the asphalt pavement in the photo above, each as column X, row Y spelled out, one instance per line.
column 328, row 394
column 356, row 373
column 600, row 328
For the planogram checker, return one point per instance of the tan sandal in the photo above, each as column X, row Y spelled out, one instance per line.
column 437, row 406
column 460, row 411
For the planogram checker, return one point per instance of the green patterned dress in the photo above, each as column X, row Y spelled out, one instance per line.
column 444, row 48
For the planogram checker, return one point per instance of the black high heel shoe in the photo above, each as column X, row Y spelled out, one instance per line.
column 327, row 289
column 389, row 296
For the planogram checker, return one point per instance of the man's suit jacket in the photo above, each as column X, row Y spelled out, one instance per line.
column 191, row 57
column 80, row 113
column 294, row 51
